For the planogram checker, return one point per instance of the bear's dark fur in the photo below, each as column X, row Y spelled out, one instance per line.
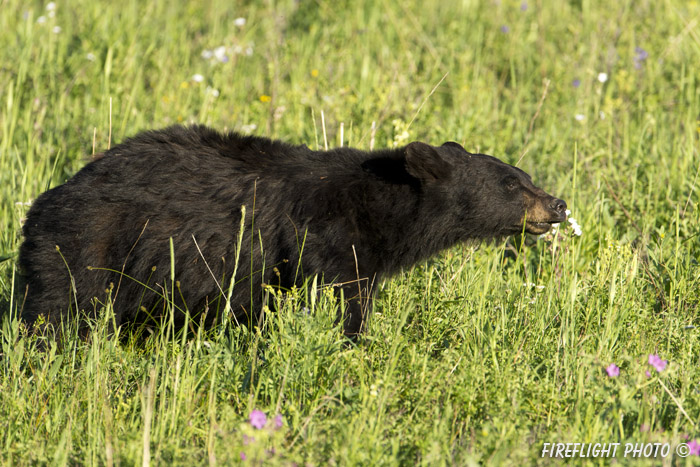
column 358, row 217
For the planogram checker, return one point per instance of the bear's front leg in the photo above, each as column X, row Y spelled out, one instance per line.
column 356, row 306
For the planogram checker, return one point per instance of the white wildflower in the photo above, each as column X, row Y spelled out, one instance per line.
column 575, row 226
column 240, row 22
column 56, row 29
column 602, row 77
column 91, row 56
column 207, row 54
column 279, row 111
column 51, row 6
column 580, row 117
column 249, row 128
column 41, row 19
column 220, row 54
column 214, row 92
column 197, row 78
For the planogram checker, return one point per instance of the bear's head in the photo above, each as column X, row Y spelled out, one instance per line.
column 480, row 196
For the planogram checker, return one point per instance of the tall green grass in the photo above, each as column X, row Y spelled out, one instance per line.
column 480, row 355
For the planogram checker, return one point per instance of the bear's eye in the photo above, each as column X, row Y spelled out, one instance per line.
column 511, row 183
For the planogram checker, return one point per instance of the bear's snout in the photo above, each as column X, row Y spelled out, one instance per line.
column 559, row 206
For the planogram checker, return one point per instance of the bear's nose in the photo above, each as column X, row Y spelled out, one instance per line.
column 558, row 205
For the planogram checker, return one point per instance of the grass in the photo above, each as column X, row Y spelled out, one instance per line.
column 481, row 355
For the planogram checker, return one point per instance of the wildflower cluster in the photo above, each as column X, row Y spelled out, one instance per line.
column 640, row 55
column 694, row 448
column 223, row 54
column 613, row 370
column 261, row 437
column 572, row 226
column 654, row 360
column 50, row 13
column 660, row 365
column 248, row 128
column 530, row 287
column 401, row 134
column 505, row 29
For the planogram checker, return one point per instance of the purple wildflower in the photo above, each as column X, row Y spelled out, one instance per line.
column 641, row 53
column 657, row 363
column 639, row 56
column 243, row 456
column 258, row 419
column 279, row 421
column 613, row 370
column 576, row 83
column 523, row 6
column 648, row 374
column 505, row 29
column 694, row 448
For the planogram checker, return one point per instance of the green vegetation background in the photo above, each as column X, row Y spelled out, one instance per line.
column 479, row 356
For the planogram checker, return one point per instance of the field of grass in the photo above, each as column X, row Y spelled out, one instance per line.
column 479, row 356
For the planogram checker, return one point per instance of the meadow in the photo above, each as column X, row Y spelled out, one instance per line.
column 479, row 356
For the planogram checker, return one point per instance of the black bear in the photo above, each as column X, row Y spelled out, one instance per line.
column 350, row 216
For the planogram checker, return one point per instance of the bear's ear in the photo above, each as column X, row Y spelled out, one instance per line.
column 452, row 144
column 424, row 163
